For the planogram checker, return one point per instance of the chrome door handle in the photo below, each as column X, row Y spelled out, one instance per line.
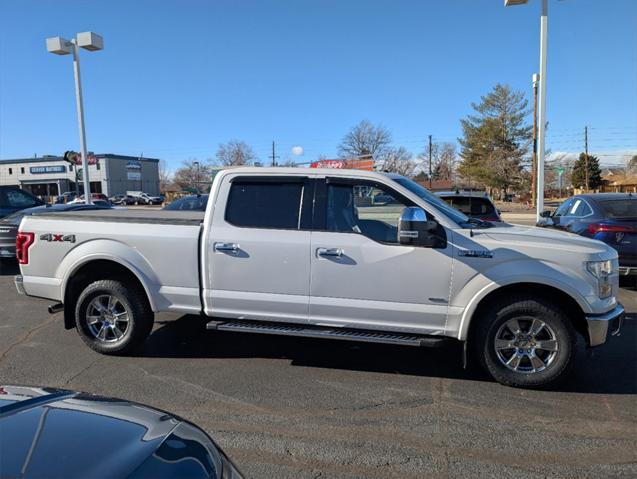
column 330, row 252
column 227, row 247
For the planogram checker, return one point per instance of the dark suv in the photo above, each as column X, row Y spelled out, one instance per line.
column 474, row 204
column 14, row 199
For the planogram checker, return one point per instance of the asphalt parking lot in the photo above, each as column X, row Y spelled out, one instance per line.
column 301, row 408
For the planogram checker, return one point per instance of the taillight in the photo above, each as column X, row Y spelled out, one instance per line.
column 594, row 228
column 22, row 243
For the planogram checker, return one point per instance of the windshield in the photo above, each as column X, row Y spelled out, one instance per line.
column 433, row 200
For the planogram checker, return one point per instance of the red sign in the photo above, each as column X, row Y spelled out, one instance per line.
column 77, row 158
column 328, row 164
column 367, row 165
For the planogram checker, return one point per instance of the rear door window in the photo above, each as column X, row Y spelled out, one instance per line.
column 620, row 208
column 268, row 204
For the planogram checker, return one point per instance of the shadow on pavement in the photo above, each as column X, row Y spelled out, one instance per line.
column 9, row 267
column 608, row 369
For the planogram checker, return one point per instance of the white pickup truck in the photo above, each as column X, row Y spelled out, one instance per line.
column 310, row 252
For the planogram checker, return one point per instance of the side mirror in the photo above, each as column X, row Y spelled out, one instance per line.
column 414, row 229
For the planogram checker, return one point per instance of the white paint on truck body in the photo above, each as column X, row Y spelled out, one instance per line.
column 277, row 275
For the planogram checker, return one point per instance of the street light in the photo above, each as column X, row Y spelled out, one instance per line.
column 541, row 118
column 197, row 176
column 60, row 46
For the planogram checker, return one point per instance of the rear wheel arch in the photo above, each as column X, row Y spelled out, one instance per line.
column 95, row 270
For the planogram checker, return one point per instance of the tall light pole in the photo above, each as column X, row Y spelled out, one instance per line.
column 197, row 176
column 60, row 46
column 541, row 117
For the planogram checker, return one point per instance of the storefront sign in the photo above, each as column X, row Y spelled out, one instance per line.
column 367, row 165
column 134, row 175
column 38, row 170
column 133, row 165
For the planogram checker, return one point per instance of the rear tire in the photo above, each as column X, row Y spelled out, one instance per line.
column 113, row 318
column 525, row 341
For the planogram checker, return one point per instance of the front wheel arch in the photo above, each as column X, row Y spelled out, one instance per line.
column 567, row 303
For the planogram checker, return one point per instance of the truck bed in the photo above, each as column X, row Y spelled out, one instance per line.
column 160, row 217
column 160, row 247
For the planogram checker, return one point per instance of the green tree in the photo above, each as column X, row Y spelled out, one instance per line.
column 578, row 176
column 496, row 139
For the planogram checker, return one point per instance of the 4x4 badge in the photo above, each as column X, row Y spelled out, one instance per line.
column 55, row 237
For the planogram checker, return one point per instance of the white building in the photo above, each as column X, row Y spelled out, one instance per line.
column 109, row 174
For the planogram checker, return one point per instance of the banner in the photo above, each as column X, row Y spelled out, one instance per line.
column 367, row 165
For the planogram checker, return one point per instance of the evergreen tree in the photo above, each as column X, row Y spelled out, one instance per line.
column 496, row 139
column 578, row 177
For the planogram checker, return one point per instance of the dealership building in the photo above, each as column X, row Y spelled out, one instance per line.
column 48, row 175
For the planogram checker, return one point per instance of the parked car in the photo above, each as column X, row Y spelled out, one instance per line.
column 125, row 200
column 608, row 217
column 66, row 197
column 142, row 198
column 13, row 199
column 303, row 252
column 49, row 432
column 188, row 203
column 9, row 224
column 382, row 200
column 94, row 197
column 474, row 204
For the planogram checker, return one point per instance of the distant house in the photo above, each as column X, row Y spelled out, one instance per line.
column 438, row 185
column 620, row 184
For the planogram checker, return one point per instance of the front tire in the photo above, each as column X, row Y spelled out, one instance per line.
column 113, row 318
column 525, row 341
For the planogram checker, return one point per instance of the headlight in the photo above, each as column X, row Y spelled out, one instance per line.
column 602, row 270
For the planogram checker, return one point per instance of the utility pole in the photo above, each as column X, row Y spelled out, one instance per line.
column 274, row 157
column 430, row 150
column 586, row 155
column 536, row 79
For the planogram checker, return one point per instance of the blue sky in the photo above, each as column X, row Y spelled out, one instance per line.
column 176, row 78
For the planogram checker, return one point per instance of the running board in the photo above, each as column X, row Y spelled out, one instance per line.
column 309, row 331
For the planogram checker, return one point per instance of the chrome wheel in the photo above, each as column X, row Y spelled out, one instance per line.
column 107, row 318
column 526, row 345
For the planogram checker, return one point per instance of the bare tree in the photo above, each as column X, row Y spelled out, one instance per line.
column 165, row 176
column 235, row 153
column 365, row 141
column 398, row 160
column 444, row 160
column 193, row 175
column 288, row 164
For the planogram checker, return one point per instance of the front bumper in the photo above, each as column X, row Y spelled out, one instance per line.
column 19, row 284
column 599, row 324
